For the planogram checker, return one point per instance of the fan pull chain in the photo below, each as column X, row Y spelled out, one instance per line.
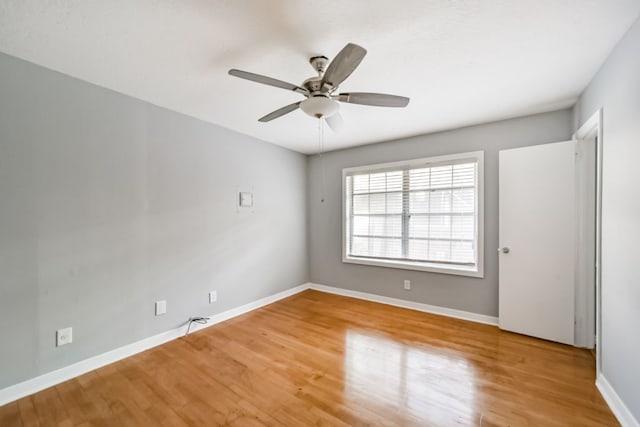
column 320, row 153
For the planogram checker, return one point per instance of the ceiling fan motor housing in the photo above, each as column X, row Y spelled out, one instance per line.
column 313, row 85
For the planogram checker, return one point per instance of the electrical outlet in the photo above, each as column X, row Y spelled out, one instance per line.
column 161, row 307
column 246, row 199
column 213, row 297
column 407, row 285
column 64, row 336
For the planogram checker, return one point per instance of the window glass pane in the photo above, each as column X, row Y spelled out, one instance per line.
column 374, row 247
column 419, row 226
column 439, row 226
column 440, row 201
column 386, row 226
column 441, row 176
column 419, row 202
column 378, row 225
column 436, row 250
column 463, row 200
column 419, row 179
column 377, row 203
column 394, row 203
column 377, row 182
column 361, row 204
column 462, row 227
column 439, row 250
column 360, row 184
column 360, row 246
column 361, row 225
column 463, row 252
column 386, row 248
column 418, row 249
column 394, row 181
column 464, row 175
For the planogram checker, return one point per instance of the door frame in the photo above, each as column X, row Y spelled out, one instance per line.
column 592, row 129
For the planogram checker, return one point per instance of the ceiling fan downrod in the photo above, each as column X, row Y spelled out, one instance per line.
column 319, row 63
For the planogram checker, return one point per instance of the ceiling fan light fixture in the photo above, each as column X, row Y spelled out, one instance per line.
column 319, row 107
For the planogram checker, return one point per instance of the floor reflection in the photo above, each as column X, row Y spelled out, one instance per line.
column 413, row 380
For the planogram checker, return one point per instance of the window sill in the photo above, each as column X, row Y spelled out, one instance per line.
column 471, row 271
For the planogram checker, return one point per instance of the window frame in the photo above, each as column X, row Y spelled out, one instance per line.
column 434, row 267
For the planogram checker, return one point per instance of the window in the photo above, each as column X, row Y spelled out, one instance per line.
column 423, row 214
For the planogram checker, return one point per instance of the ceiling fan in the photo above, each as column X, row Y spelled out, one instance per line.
column 321, row 91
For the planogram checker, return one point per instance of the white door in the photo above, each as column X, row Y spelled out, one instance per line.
column 537, row 213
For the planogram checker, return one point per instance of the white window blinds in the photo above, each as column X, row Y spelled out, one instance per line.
column 416, row 213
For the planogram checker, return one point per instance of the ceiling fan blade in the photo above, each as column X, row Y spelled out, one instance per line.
column 259, row 78
column 343, row 64
column 280, row 112
column 335, row 122
column 375, row 99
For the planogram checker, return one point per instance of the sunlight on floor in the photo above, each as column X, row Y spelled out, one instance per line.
column 418, row 382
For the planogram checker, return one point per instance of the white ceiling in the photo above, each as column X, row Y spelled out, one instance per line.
column 461, row 62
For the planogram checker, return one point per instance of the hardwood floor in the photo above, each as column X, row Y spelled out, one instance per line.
column 321, row 359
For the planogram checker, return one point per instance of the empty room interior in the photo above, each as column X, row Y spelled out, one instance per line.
column 297, row 213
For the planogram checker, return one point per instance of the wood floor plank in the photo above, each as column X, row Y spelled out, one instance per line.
column 10, row 415
column 50, row 408
column 321, row 359
column 27, row 410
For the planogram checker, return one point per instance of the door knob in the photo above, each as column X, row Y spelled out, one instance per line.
column 504, row 250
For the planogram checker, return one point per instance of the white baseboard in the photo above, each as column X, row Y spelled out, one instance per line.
column 238, row 311
column 50, row 379
column 619, row 409
column 434, row 309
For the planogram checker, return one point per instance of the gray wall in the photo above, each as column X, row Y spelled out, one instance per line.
column 616, row 88
column 463, row 293
column 109, row 204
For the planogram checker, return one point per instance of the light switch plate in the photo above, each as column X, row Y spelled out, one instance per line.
column 246, row 199
column 64, row 336
column 161, row 307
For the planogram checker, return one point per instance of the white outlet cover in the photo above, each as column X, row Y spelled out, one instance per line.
column 64, row 336
column 161, row 307
column 246, row 199
column 213, row 297
column 407, row 284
